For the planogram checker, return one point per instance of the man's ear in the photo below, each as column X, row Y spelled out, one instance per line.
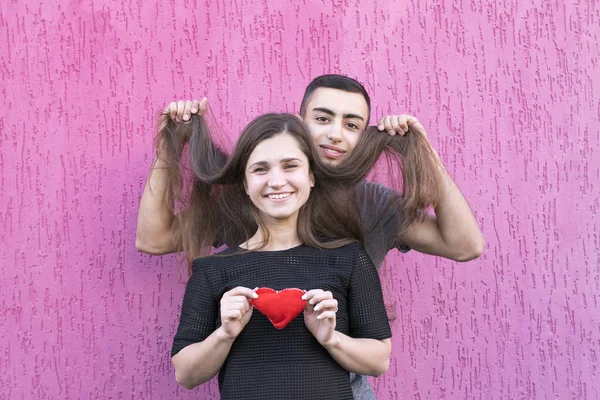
column 299, row 117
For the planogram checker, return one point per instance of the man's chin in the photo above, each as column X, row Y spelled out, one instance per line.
column 332, row 161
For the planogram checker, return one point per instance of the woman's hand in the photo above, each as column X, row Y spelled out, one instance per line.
column 320, row 315
column 236, row 310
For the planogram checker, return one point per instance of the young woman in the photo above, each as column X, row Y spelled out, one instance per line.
column 293, row 222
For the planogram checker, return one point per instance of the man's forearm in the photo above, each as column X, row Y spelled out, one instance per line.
column 154, row 233
column 457, row 224
column 452, row 232
column 361, row 356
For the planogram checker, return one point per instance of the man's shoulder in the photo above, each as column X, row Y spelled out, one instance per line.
column 369, row 189
column 375, row 198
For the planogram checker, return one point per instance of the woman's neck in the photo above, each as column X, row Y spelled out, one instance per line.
column 282, row 235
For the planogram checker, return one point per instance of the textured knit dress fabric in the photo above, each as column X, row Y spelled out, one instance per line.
column 266, row 363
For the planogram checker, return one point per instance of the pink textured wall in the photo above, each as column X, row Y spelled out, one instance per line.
column 509, row 91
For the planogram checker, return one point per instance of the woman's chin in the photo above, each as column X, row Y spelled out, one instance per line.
column 280, row 216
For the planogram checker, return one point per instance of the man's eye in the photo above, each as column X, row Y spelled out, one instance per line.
column 353, row 126
column 321, row 119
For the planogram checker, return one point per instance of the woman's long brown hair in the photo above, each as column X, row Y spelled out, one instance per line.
column 216, row 209
column 421, row 180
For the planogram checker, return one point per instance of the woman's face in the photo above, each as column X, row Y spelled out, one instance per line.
column 277, row 178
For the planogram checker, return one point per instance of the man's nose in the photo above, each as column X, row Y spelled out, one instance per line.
column 335, row 133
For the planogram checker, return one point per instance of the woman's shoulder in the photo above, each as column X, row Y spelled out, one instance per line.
column 355, row 253
column 353, row 247
column 346, row 254
column 232, row 255
column 218, row 259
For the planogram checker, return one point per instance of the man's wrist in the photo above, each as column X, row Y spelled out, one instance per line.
column 159, row 163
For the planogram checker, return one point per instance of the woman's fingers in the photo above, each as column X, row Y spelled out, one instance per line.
column 321, row 302
column 326, row 305
column 232, row 315
column 235, row 304
column 241, row 291
column 327, row 315
column 316, row 295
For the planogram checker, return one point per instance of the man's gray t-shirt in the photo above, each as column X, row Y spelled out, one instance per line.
column 381, row 217
column 380, row 225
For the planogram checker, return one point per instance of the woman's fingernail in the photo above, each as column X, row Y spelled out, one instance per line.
column 317, row 307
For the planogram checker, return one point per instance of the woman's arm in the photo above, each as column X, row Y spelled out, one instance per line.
column 361, row 356
column 198, row 362
column 367, row 348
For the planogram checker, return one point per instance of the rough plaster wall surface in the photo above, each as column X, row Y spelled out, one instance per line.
column 508, row 91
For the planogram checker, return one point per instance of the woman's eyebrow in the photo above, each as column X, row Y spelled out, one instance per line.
column 258, row 163
column 283, row 160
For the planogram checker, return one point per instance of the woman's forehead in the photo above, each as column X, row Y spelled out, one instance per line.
column 276, row 149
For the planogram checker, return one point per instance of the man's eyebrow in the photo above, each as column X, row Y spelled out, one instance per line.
column 353, row 116
column 328, row 111
column 325, row 110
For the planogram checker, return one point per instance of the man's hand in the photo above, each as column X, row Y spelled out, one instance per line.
column 399, row 124
column 181, row 111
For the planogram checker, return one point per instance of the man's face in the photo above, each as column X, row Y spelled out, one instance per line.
column 335, row 120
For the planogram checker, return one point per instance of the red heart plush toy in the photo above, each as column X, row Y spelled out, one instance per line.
column 281, row 307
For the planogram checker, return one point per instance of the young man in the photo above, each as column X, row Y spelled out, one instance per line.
column 336, row 111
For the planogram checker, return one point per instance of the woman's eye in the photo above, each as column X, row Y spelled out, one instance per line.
column 290, row 166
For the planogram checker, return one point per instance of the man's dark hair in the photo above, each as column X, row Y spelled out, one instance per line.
column 333, row 81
